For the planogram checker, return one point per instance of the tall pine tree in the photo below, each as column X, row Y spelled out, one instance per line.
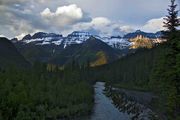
column 171, row 20
column 167, row 70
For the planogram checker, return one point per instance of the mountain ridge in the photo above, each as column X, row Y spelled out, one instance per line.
column 10, row 56
column 78, row 37
column 87, row 51
column 54, row 48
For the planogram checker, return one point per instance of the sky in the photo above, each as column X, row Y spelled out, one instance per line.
column 100, row 17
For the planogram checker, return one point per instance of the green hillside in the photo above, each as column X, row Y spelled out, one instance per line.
column 155, row 70
column 9, row 56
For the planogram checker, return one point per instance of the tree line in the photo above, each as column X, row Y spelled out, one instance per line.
column 156, row 70
column 44, row 92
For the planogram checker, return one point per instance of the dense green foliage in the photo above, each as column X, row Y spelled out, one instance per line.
column 50, row 92
column 172, row 20
column 156, row 70
column 165, row 77
column 133, row 70
column 166, row 74
column 40, row 94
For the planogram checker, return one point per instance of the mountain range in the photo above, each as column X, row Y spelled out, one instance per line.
column 79, row 46
column 93, row 50
column 78, row 37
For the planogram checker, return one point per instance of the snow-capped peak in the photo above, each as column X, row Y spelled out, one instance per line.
column 116, row 42
column 76, row 37
column 42, row 38
column 80, row 34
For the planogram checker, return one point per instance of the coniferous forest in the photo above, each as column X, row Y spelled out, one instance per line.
column 152, row 70
column 44, row 91
column 156, row 70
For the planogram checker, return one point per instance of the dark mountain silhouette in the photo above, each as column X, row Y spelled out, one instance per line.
column 9, row 55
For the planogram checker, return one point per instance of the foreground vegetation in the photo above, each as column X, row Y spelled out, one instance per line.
column 44, row 92
column 49, row 92
column 156, row 70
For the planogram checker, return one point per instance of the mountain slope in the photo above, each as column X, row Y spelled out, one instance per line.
column 79, row 45
column 93, row 50
column 141, row 42
column 35, row 53
column 9, row 55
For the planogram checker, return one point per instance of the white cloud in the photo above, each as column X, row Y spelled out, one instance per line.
column 15, row 27
column 72, row 16
column 2, row 36
column 154, row 25
column 19, row 37
column 100, row 22
column 71, row 11
column 28, row 16
column 20, row 17
column 46, row 13
column 127, row 29
column 101, row 26
column 63, row 16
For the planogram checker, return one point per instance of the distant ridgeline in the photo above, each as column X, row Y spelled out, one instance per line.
column 55, row 49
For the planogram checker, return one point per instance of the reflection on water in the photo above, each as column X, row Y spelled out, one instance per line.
column 111, row 104
column 128, row 105
column 104, row 109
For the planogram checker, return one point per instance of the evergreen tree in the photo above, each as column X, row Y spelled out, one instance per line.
column 166, row 69
column 172, row 20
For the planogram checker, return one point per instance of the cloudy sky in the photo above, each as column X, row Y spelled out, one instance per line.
column 105, row 17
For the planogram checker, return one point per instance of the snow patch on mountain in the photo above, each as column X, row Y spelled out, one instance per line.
column 119, row 43
column 76, row 37
column 33, row 40
column 41, row 38
column 58, row 42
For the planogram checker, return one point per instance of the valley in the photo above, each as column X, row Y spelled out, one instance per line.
column 89, row 60
column 79, row 66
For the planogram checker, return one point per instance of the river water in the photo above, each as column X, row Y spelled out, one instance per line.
column 104, row 109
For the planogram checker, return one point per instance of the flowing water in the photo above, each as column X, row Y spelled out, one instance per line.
column 104, row 108
column 116, row 106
